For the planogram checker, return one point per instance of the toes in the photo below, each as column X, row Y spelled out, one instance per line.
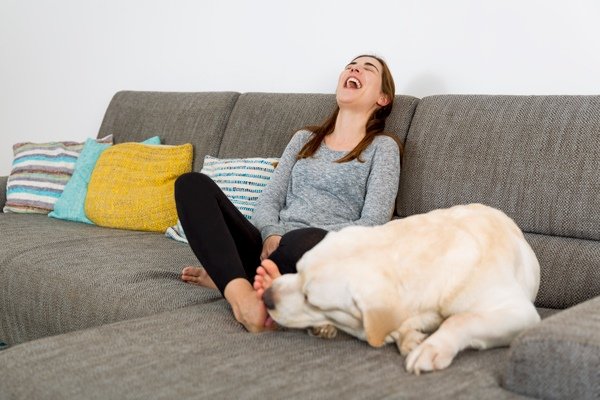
column 267, row 280
column 190, row 279
column 271, row 268
column 192, row 271
column 428, row 357
column 259, row 286
column 323, row 331
column 410, row 342
column 259, row 282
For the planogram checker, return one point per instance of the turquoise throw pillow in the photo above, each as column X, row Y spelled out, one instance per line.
column 71, row 203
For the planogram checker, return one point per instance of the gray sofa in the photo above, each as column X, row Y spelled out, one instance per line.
column 96, row 313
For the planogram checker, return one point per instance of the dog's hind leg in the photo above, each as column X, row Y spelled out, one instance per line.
column 324, row 331
column 479, row 330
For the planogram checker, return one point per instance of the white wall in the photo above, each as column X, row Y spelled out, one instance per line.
column 62, row 60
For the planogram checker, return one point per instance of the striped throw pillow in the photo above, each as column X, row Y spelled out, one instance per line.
column 241, row 179
column 39, row 174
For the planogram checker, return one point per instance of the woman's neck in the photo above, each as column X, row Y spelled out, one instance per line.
column 350, row 129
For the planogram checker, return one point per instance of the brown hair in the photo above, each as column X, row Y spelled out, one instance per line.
column 375, row 124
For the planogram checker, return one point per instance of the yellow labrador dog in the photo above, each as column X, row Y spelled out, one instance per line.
column 434, row 283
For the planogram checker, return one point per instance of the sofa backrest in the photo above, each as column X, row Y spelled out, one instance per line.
column 261, row 124
column 197, row 118
column 537, row 158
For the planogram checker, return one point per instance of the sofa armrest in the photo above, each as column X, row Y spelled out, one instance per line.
column 3, row 180
column 560, row 357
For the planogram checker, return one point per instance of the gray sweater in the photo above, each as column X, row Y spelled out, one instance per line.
column 318, row 192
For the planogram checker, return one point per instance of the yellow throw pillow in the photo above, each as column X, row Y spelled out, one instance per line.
column 133, row 185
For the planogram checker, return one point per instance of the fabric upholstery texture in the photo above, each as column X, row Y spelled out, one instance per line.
column 262, row 124
column 541, row 358
column 537, row 158
column 71, row 203
column 201, row 352
column 39, row 174
column 59, row 276
column 196, row 118
column 133, row 186
column 568, row 268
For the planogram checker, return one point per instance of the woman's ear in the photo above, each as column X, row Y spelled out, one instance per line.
column 383, row 101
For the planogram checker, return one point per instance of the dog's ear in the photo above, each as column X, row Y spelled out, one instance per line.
column 379, row 312
column 378, row 324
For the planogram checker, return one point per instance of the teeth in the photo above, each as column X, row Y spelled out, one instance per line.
column 356, row 82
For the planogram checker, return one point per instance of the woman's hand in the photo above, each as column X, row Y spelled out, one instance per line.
column 269, row 246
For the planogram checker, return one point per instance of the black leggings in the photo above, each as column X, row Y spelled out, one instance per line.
column 227, row 245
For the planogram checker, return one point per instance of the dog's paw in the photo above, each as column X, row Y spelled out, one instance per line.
column 410, row 341
column 429, row 356
column 325, row 331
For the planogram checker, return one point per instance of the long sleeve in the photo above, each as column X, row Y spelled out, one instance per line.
column 273, row 198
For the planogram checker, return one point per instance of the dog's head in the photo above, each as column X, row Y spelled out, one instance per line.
column 351, row 293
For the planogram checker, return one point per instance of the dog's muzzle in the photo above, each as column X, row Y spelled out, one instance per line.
column 268, row 299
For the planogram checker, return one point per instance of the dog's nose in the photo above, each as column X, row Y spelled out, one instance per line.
column 268, row 299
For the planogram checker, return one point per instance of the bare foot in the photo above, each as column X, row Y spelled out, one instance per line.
column 265, row 274
column 247, row 309
column 197, row 276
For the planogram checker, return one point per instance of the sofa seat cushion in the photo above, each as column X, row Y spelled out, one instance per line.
column 60, row 276
column 559, row 358
column 569, row 272
column 201, row 352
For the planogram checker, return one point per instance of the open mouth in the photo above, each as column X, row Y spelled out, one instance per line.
column 353, row 83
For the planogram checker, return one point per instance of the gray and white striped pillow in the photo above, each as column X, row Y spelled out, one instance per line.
column 39, row 174
column 241, row 179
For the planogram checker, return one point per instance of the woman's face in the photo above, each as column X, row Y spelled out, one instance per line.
column 359, row 85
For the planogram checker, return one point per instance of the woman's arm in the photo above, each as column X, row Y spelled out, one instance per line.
column 272, row 199
column 382, row 187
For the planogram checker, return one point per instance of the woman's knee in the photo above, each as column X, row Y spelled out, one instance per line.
column 302, row 240
column 193, row 183
column 310, row 236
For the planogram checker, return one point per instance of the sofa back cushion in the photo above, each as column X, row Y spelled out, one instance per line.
column 261, row 124
column 197, row 118
column 535, row 157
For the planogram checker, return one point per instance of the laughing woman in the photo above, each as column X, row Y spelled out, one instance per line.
column 342, row 173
